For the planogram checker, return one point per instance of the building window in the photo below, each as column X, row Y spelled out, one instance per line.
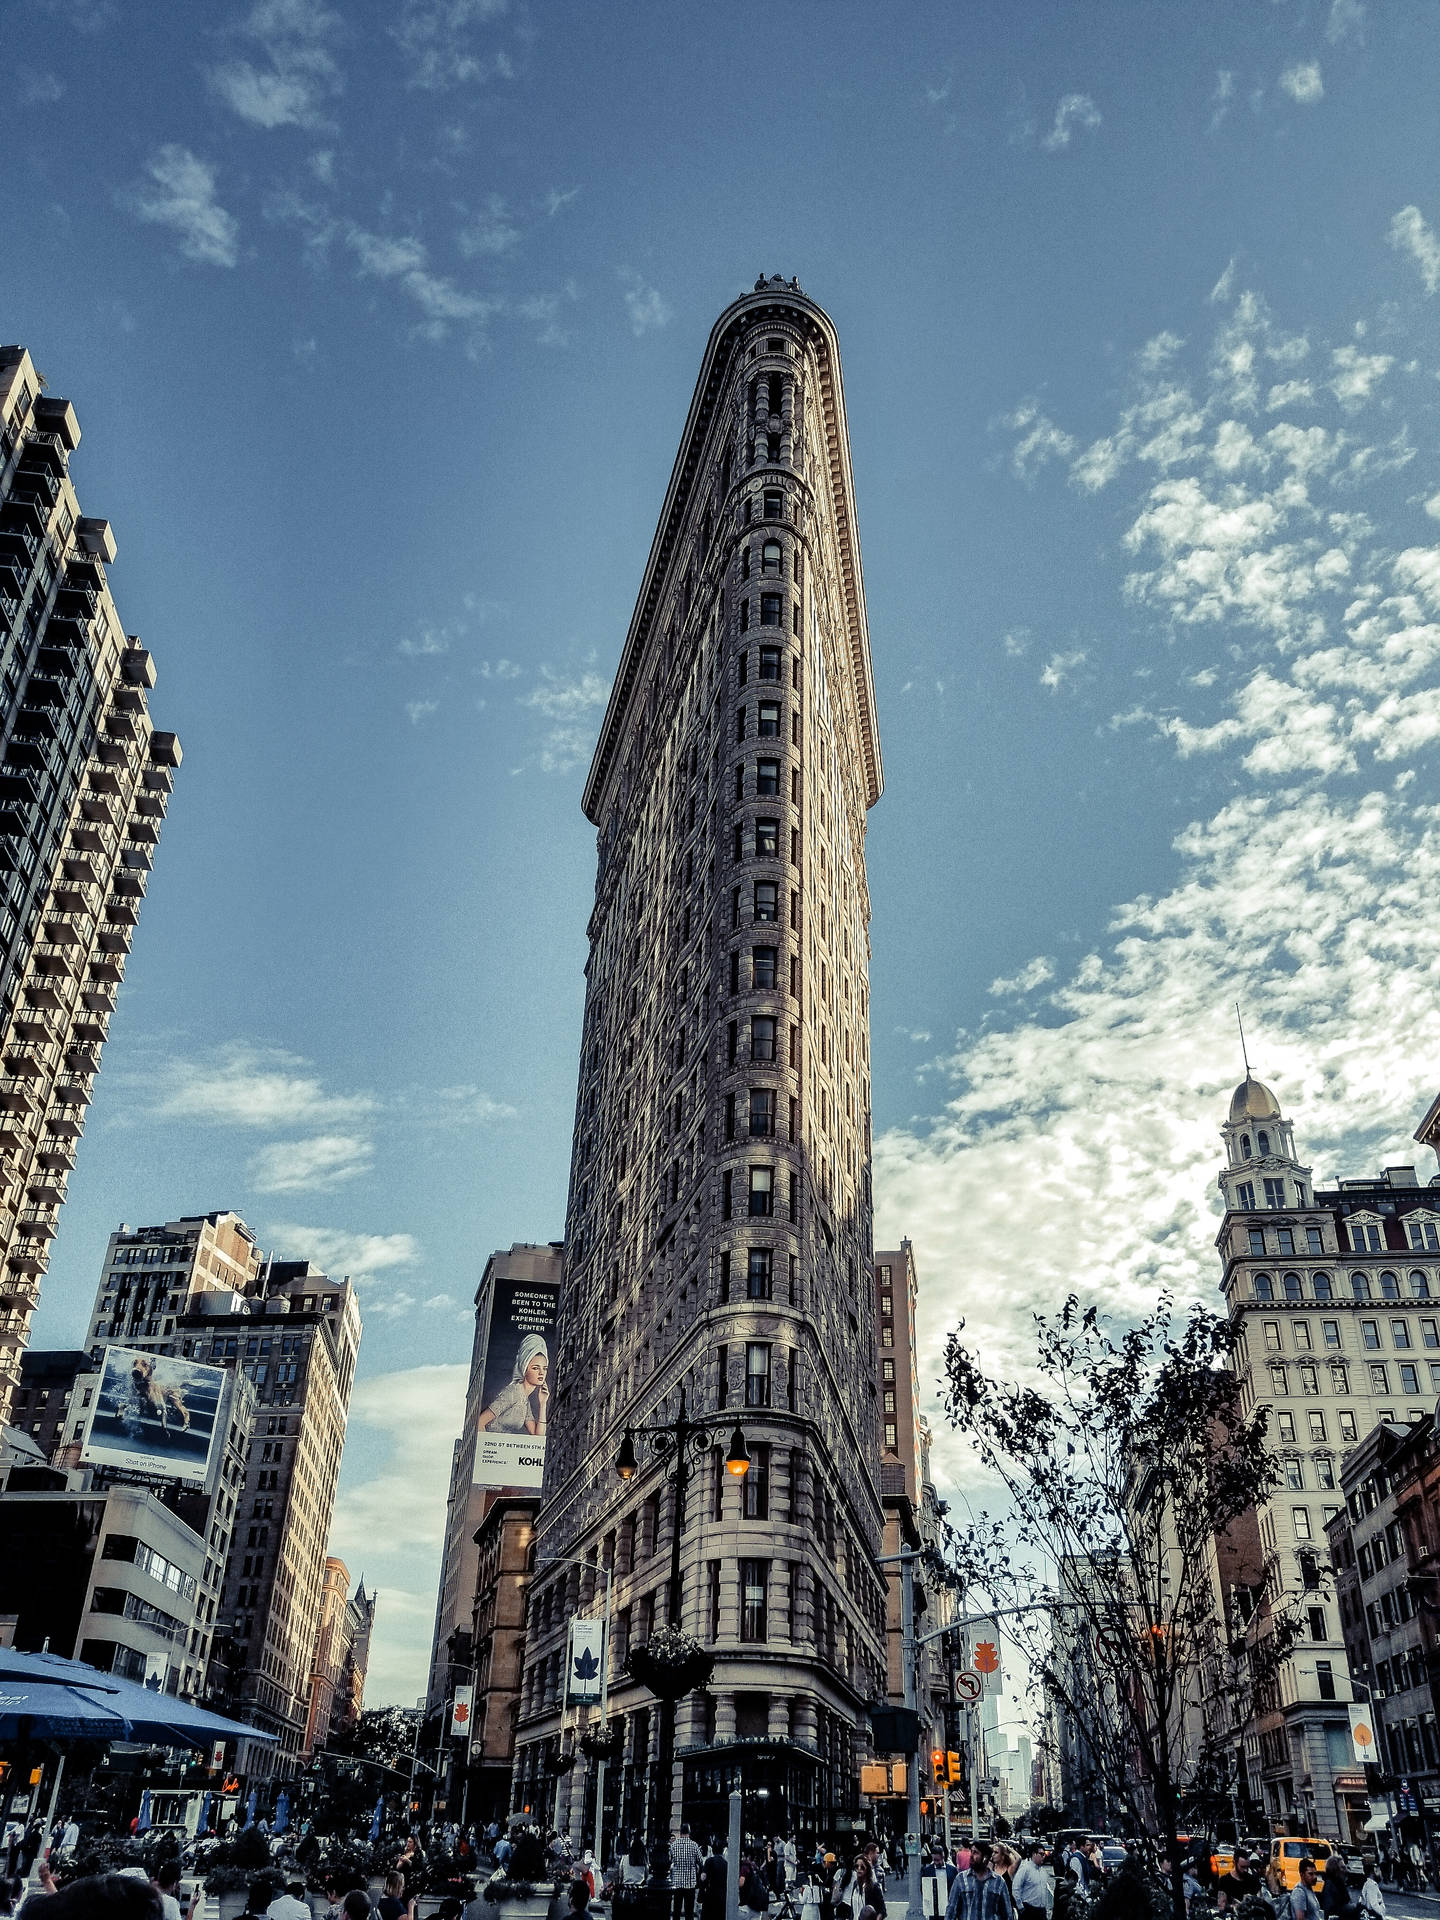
column 770, row 663
column 1429, row 1334
column 1317, row 1424
column 1359, row 1286
column 1294, row 1476
column 762, row 967
column 1314, row 1240
column 1300, row 1518
column 1277, row 1380
column 760, row 1272
column 1257, row 1240
column 1264, row 1290
column 762, row 1191
column 1320, row 1286
column 1286, row 1238
column 757, row 1374
column 762, row 1037
column 762, row 1113
column 767, row 778
column 1389, row 1286
column 774, row 506
column 1291, row 1283
column 1285, row 1426
column 722, row 1390
column 767, row 900
column 1419, row 1286
column 1309, row 1383
column 712, row 1609
column 1424, row 1237
column 1272, row 1335
column 754, row 1577
column 755, row 1487
column 1274, row 1193
column 1364, row 1236
column 1378, row 1381
column 1301, row 1330
column 1409, row 1377
column 729, row 1116
column 744, row 618
column 1347, row 1425
column 889, row 1400
column 891, row 1440
column 1324, row 1471
column 727, row 1194
column 769, row 720
column 1325, row 1679
column 772, row 558
column 1400, row 1333
column 887, row 1369
column 767, row 840
column 772, row 610
column 1245, row 1196
column 1370, row 1335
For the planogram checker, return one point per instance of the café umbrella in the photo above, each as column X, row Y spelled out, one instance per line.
column 60, row 1693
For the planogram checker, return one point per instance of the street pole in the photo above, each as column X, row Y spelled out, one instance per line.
column 908, row 1656
column 732, row 1861
column 609, row 1574
column 970, row 1727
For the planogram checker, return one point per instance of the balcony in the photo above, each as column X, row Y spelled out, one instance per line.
column 38, row 1223
column 67, row 929
column 116, row 753
column 128, row 882
column 16, row 789
column 83, row 570
column 73, row 1090
column 43, row 989
column 99, row 990
column 83, row 1060
column 67, row 1122
column 120, row 911
column 29, row 1060
column 32, row 756
column 41, row 691
column 119, row 726
column 13, row 575
column 70, row 631
column 108, row 965
column 144, row 833
column 79, row 870
column 57, row 961
column 164, row 751
column 20, row 545
column 26, row 1257
column 56, row 1156
column 75, row 601
column 90, row 1029
column 37, row 477
column 25, row 513
column 15, row 1095
column 101, row 780
column 46, row 1190
column 136, row 856
column 94, row 831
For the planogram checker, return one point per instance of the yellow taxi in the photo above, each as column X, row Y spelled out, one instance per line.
column 1289, row 1850
column 1222, row 1860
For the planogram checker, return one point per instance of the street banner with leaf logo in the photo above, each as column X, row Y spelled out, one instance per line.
column 587, row 1659
column 1362, row 1732
column 462, row 1710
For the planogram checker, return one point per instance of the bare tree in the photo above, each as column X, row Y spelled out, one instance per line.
column 1133, row 1472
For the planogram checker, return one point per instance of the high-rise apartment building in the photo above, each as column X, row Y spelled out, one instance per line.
column 718, row 1241
column 84, row 780
column 1334, row 1295
column 154, row 1274
column 453, row 1649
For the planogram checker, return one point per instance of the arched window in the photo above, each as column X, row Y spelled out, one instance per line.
column 1320, row 1286
column 771, row 559
column 777, row 392
column 1389, row 1286
column 1291, row 1284
column 1359, row 1286
column 1264, row 1288
column 1262, row 1140
column 1420, row 1285
column 1245, row 1146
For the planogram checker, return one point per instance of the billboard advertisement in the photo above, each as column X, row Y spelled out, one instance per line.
column 155, row 1415
column 518, row 1384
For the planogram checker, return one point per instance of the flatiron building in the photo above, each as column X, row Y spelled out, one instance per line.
column 718, row 1242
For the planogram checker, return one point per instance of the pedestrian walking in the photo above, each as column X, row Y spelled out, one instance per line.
column 979, row 1893
column 685, row 1861
column 1031, row 1887
column 1303, row 1904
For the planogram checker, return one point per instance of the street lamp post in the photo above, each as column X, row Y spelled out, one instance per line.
column 682, row 1443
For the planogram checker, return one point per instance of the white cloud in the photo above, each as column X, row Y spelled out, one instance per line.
column 1346, row 22
column 338, row 1251
column 39, row 89
column 243, row 1085
column 564, row 698
column 556, row 200
column 299, row 73
column 1221, row 98
column 1410, row 234
column 1059, row 668
column 489, row 231
column 646, row 307
column 1035, row 973
column 1040, row 442
column 1075, row 110
column 418, row 710
column 298, row 1166
column 1356, row 374
column 180, row 194
column 391, row 1525
column 402, row 258
column 1303, row 82
column 442, row 44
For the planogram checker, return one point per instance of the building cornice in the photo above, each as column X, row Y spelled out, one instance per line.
column 785, row 304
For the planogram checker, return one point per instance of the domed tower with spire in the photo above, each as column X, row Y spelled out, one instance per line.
column 1260, row 1162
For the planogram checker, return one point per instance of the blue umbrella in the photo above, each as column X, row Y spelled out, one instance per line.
column 142, row 1823
column 250, row 1808
column 43, row 1710
column 375, row 1820
column 147, row 1715
column 282, row 1813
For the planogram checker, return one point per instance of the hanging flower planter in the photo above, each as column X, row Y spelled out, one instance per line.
column 563, row 1762
column 670, row 1663
column 602, row 1740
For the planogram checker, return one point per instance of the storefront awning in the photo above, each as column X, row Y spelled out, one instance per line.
column 1377, row 1823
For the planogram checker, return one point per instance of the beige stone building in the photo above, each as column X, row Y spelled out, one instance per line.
column 718, row 1245
column 84, row 783
column 154, row 1274
column 1335, row 1295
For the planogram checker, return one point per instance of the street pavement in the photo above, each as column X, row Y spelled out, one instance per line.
column 1412, row 1906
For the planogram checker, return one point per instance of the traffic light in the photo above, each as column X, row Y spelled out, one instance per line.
column 937, row 1765
column 952, row 1761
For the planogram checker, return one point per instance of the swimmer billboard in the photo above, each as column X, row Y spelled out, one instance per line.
column 155, row 1415
column 515, row 1394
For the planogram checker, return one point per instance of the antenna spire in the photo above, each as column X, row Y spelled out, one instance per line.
column 1244, row 1055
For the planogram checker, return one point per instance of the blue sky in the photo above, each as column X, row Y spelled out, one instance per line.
column 381, row 324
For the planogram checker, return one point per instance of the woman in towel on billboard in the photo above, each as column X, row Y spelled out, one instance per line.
column 519, row 1407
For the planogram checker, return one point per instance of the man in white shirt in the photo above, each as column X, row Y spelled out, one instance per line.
column 291, row 1905
column 1031, row 1888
